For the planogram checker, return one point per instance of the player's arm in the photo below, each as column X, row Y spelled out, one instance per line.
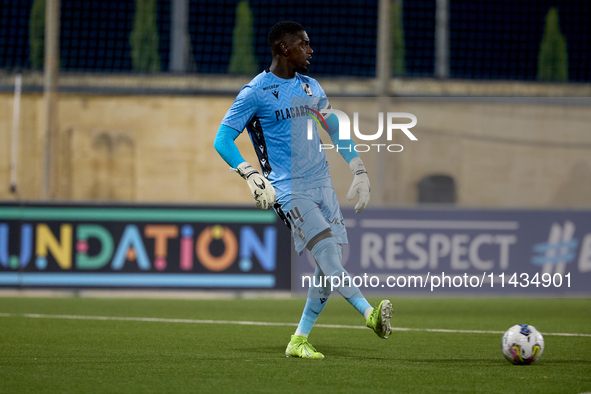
column 261, row 189
column 360, row 183
column 241, row 112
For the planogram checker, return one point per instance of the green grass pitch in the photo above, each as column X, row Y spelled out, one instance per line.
column 120, row 356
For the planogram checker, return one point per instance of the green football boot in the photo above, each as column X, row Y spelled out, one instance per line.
column 379, row 319
column 300, row 347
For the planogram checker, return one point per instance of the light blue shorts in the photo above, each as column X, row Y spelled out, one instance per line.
column 310, row 212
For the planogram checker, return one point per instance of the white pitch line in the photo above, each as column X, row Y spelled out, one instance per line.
column 257, row 323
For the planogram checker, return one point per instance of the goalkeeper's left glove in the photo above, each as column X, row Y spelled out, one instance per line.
column 360, row 184
column 261, row 189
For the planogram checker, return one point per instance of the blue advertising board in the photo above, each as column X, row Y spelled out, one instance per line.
column 464, row 251
column 142, row 246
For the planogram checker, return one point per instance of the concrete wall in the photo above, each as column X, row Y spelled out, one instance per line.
column 159, row 148
column 126, row 148
column 501, row 154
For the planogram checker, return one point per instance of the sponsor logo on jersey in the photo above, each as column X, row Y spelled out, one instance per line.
column 294, row 112
column 271, row 87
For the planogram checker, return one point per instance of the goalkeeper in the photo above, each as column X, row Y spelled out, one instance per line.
column 296, row 182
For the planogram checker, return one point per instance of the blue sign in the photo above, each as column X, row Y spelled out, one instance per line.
column 464, row 251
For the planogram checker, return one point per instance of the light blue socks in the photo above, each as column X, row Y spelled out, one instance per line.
column 328, row 255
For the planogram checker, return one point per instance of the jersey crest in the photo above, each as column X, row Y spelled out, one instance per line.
column 307, row 89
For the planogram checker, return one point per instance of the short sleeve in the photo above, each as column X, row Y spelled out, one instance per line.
column 242, row 111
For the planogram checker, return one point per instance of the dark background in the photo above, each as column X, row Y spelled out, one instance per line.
column 489, row 39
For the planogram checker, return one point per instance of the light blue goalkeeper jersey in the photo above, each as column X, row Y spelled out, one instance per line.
column 273, row 111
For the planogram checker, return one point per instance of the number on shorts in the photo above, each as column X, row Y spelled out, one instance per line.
column 294, row 215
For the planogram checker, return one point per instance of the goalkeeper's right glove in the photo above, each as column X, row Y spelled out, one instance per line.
column 261, row 189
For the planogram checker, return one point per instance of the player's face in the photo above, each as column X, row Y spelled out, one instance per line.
column 300, row 51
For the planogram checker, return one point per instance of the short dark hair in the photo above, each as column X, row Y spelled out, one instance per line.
column 282, row 29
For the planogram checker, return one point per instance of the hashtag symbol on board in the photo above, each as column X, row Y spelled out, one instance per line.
column 559, row 250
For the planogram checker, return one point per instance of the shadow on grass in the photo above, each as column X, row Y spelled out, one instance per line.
column 494, row 361
column 280, row 350
column 474, row 361
column 331, row 351
column 352, row 352
column 563, row 362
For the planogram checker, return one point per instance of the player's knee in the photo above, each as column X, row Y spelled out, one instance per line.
column 325, row 253
column 325, row 247
column 319, row 237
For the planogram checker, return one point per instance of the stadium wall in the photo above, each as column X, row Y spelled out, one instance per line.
column 138, row 147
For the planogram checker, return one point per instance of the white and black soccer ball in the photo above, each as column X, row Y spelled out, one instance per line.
column 522, row 344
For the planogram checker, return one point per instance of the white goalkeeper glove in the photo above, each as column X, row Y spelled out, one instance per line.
column 360, row 184
column 261, row 189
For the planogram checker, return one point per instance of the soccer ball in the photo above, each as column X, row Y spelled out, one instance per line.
column 522, row 344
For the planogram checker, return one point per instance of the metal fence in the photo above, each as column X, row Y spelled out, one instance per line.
column 488, row 39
